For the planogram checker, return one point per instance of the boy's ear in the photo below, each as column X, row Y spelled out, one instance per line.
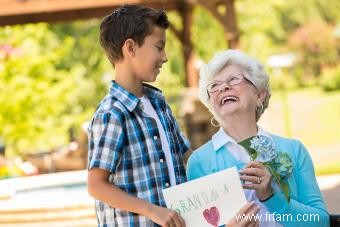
column 129, row 47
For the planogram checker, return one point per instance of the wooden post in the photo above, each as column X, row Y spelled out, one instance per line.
column 184, row 36
column 190, row 71
column 233, row 34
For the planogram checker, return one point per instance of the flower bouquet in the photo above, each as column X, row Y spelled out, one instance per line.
column 262, row 149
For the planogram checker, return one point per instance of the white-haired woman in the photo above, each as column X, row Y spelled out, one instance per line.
column 281, row 179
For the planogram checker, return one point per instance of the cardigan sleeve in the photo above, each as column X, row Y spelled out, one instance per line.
column 309, row 208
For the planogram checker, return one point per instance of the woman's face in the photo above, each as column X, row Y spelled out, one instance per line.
column 238, row 97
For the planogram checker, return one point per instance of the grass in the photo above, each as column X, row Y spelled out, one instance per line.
column 332, row 168
column 311, row 116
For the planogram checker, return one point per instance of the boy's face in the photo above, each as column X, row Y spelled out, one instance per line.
column 150, row 56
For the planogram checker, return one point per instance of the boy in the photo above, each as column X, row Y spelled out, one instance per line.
column 135, row 146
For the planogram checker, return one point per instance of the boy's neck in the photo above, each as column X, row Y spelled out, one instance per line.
column 128, row 81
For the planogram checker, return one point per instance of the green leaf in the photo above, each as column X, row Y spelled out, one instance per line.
column 274, row 174
column 282, row 183
column 285, row 189
column 246, row 144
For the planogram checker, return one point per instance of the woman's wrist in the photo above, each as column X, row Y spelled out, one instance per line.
column 268, row 197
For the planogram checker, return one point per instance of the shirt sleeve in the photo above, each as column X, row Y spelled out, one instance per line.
column 105, row 136
column 309, row 209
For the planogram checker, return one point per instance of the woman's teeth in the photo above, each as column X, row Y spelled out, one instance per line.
column 229, row 98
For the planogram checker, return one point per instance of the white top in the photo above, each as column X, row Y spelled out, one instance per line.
column 150, row 111
column 221, row 138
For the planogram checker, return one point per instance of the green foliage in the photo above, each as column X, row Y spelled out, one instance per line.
column 283, row 79
column 331, row 168
column 259, row 24
column 207, row 34
column 331, row 79
column 316, row 44
column 85, row 52
column 50, row 82
column 172, row 74
column 247, row 145
column 294, row 14
column 267, row 27
column 53, row 76
column 313, row 115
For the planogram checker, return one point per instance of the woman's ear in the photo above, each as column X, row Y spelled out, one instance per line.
column 129, row 48
column 261, row 96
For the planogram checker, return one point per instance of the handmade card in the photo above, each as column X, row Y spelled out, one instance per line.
column 208, row 201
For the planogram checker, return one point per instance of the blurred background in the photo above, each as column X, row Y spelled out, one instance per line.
column 53, row 74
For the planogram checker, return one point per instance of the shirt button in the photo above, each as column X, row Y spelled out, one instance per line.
column 167, row 185
column 155, row 137
column 161, row 160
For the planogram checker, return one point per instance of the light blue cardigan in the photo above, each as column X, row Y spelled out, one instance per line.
column 304, row 191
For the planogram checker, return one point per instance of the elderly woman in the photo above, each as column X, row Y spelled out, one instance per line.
column 235, row 88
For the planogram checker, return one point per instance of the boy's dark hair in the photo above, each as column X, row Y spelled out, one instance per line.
column 129, row 21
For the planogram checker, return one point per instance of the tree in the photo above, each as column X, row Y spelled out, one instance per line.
column 49, row 84
column 316, row 44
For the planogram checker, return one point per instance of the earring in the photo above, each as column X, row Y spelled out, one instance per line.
column 214, row 122
column 259, row 108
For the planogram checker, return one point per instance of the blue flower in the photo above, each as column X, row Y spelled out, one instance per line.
column 264, row 147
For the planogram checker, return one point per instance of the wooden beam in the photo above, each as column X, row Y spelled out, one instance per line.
column 228, row 19
column 17, row 7
column 233, row 34
column 176, row 32
column 53, row 17
column 33, row 11
column 212, row 8
column 190, row 72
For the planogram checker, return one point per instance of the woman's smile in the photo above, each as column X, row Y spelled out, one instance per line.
column 228, row 99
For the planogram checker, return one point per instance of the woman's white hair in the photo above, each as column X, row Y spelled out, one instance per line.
column 254, row 71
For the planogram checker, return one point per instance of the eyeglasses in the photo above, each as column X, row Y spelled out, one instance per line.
column 232, row 81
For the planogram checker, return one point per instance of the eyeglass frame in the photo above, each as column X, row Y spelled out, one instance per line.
column 243, row 78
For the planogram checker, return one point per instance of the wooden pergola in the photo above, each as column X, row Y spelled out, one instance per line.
column 33, row 11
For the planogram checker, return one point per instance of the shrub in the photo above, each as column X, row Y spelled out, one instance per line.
column 330, row 79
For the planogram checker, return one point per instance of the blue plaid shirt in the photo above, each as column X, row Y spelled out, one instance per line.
column 124, row 141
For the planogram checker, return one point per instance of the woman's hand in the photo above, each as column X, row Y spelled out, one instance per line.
column 257, row 177
column 246, row 217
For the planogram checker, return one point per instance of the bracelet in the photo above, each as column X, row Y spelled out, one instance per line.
column 267, row 198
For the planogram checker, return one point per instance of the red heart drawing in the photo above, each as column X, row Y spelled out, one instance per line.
column 212, row 216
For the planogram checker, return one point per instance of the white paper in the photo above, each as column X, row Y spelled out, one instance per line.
column 219, row 192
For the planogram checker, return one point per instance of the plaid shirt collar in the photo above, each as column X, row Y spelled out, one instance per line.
column 130, row 101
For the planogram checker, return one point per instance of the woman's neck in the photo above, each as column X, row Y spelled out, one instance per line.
column 240, row 129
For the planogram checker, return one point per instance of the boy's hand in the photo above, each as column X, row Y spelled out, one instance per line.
column 100, row 188
column 165, row 217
